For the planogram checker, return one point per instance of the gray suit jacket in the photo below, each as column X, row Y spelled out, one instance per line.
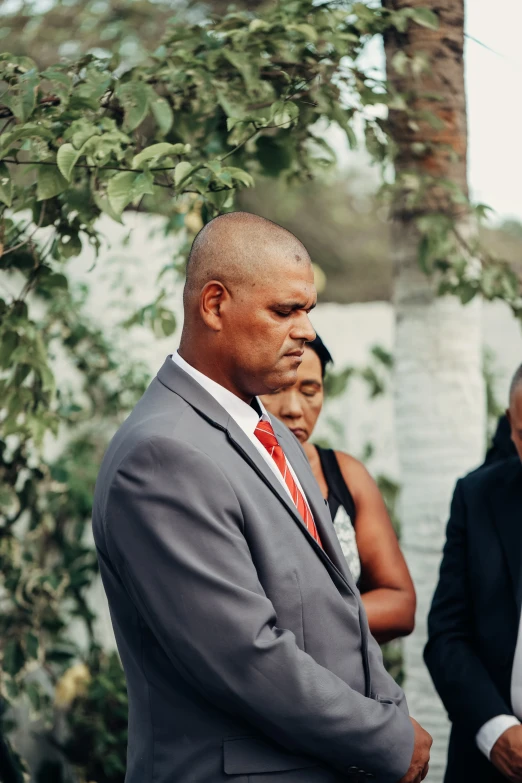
column 245, row 645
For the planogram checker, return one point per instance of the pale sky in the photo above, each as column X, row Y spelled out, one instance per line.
column 495, row 104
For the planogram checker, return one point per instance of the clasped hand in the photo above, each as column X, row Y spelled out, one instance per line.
column 421, row 756
column 506, row 754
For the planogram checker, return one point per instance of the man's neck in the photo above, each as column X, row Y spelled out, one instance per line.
column 213, row 370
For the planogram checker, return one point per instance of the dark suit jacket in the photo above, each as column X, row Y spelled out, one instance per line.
column 245, row 645
column 474, row 618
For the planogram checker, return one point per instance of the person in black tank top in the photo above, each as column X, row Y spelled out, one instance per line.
column 342, row 508
column 358, row 512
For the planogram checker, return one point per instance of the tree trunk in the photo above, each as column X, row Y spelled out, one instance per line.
column 439, row 388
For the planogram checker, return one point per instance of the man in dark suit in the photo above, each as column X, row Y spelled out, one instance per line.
column 244, row 641
column 474, row 651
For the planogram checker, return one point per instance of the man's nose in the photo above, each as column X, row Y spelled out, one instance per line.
column 303, row 329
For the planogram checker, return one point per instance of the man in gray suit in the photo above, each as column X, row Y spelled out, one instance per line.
column 245, row 645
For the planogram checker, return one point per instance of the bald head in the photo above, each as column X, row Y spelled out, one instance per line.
column 249, row 291
column 238, row 249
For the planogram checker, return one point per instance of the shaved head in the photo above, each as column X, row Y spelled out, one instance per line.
column 238, row 249
column 247, row 297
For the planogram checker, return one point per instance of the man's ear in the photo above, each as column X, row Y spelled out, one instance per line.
column 508, row 416
column 211, row 300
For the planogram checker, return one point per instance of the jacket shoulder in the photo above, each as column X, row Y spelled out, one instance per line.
column 491, row 476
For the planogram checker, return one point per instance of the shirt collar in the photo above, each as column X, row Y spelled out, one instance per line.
column 243, row 414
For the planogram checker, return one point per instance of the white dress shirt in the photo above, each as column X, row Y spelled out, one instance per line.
column 243, row 414
column 490, row 732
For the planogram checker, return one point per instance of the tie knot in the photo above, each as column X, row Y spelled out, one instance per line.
column 265, row 433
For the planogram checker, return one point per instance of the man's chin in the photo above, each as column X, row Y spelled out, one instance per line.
column 282, row 381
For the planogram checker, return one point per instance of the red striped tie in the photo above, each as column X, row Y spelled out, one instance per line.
column 266, row 435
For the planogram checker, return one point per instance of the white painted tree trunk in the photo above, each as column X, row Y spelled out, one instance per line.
column 440, row 426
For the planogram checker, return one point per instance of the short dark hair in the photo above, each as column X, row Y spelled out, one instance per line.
column 325, row 357
column 515, row 383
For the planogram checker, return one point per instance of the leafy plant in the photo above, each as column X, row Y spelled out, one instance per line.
column 97, row 722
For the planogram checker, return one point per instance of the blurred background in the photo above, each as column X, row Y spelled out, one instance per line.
column 417, row 386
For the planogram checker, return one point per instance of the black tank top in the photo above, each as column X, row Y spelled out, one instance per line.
column 338, row 492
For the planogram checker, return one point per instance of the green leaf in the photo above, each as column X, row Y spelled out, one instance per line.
column 241, row 175
column 400, row 62
column 425, row 17
column 128, row 186
column 158, row 151
column 163, row 114
column 8, row 343
column 104, row 206
column 425, row 255
column 6, row 186
column 61, row 81
column 120, row 191
column 232, row 122
column 466, row 292
column 69, row 247
column 24, row 63
column 383, row 356
column 22, row 132
column 66, row 159
column 57, row 281
column 167, row 323
column 32, row 692
column 437, row 123
column 181, row 171
column 284, row 113
column 336, row 383
column 344, row 118
column 482, row 210
column 81, row 131
column 134, row 97
column 90, row 90
column 242, row 61
column 21, row 97
column 50, row 183
column 225, row 177
column 13, row 657
column 309, row 32
column 21, row 373
column 257, row 24
column 31, row 645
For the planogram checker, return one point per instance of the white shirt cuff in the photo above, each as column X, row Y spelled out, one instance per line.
column 491, row 731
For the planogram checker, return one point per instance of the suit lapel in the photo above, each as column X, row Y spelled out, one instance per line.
column 248, row 451
column 178, row 381
column 506, row 508
column 319, row 508
column 332, row 553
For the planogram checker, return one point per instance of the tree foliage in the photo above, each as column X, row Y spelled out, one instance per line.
column 178, row 133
